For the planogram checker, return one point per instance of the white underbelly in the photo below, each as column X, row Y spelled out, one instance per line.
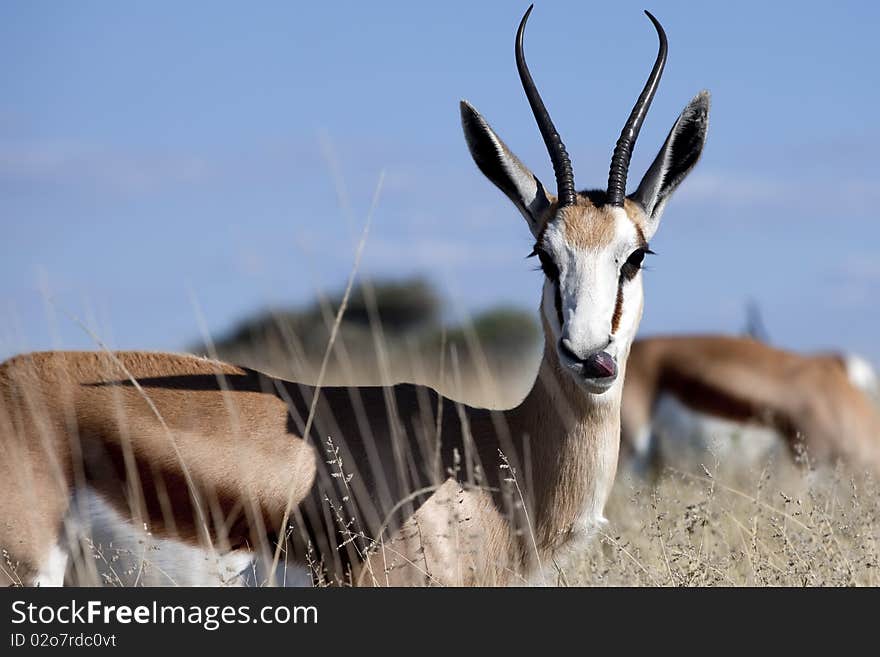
column 106, row 549
column 684, row 435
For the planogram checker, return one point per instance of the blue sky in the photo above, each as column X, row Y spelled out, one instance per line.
column 156, row 153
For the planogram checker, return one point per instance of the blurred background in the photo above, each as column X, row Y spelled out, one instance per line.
column 173, row 171
column 196, row 176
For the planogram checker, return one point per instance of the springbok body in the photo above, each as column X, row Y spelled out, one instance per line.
column 387, row 485
column 821, row 401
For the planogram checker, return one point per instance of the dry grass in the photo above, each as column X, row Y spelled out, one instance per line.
column 701, row 523
column 776, row 525
column 704, row 523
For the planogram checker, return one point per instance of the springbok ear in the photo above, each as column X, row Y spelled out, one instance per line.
column 674, row 162
column 503, row 168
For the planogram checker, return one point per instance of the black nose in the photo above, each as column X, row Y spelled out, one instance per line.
column 599, row 365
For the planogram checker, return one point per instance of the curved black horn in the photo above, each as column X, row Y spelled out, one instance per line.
column 624, row 148
column 558, row 155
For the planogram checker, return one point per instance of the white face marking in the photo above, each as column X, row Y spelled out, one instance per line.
column 589, row 278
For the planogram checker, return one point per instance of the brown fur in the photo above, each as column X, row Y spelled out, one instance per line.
column 587, row 226
column 69, row 419
column 637, row 216
column 807, row 398
column 590, row 226
column 618, row 308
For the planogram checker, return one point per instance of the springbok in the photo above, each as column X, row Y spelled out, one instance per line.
column 820, row 402
column 378, row 485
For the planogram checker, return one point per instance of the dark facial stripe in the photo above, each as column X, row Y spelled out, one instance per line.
column 618, row 307
column 557, row 298
column 549, row 267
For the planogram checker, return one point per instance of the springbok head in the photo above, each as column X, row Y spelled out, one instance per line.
column 591, row 243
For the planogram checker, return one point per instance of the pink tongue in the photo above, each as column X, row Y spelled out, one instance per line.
column 600, row 366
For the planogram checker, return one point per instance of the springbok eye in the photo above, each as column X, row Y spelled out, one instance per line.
column 634, row 263
column 549, row 267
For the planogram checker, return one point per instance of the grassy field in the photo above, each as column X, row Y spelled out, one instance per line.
column 775, row 525
column 701, row 521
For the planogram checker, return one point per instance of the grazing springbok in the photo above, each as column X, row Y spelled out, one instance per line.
column 819, row 402
column 370, row 485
